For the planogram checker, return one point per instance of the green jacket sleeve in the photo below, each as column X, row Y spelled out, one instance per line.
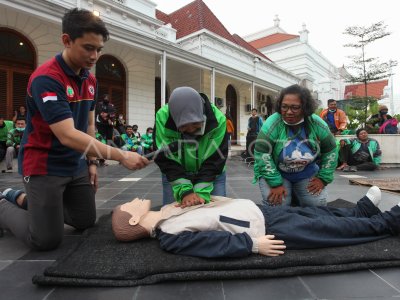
column 10, row 139
column 376, row 153
column 264, row 164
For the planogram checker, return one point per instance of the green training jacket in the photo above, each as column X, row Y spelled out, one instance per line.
column 272, row 139
column 373, row 148
column 194, row 167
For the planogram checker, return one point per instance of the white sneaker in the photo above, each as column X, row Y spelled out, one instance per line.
column 374, row 194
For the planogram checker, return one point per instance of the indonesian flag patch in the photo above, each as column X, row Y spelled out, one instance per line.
column 49, row 96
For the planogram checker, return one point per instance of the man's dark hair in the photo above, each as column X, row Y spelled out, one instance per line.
column 254, row 109
column 129, row 126
column 331, row 100
column 308, row 104
column 149, row 128
column 76, row 22
column 20, row 119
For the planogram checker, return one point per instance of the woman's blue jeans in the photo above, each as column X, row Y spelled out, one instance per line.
column 299, row 189
column 219, row 188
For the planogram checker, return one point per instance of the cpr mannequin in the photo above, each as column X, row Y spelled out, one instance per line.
column 238, row 227
column 134, row 220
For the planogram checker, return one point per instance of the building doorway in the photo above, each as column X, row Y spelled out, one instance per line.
column 231, row 109
column 157, row 94
column 17, row 62
column 111, row 78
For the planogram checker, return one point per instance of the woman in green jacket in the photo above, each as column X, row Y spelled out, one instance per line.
column 295, row 152
column 197, row 169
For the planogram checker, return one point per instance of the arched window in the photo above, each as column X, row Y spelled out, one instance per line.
column 110, row 74
column 17, row 62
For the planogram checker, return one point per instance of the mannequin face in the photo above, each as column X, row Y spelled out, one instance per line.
column 137, row 208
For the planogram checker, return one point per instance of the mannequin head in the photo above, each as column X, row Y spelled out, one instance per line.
column 126, row 220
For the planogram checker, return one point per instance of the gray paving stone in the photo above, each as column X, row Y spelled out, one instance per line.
column 346, row 285
column 18, row 264
column 269, row 288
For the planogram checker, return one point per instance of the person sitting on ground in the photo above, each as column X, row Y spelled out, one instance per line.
column 376, row 121
column 132, row 143
column 334, row 117
column 361, row 153
column 107, row 106
column 5, row 127
column 136, row 133
column 120, row 124
column 238, row 227
column 20, row 114
column 147, row 140
column 14, row 141
column 105, row 126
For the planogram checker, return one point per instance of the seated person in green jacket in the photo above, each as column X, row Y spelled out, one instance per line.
column 13, row 143
column 295, row 152
column 361, row 153
column 238, row 227
column 5, row 127
column 197, row 169
column 147, row 140
column 132, row 142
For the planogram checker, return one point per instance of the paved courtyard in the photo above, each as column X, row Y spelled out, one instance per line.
column 117, row 185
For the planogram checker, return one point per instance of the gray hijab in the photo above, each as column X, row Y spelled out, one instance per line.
column 186, row 106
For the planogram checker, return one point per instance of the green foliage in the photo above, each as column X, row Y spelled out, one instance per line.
column 318, row 111
column 358, row 109
column 367, row 69
column 397, row 116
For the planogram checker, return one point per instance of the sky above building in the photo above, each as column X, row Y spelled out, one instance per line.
column 325, row 21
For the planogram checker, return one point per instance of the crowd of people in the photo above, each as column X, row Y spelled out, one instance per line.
column 116, row 132
column 60, row 137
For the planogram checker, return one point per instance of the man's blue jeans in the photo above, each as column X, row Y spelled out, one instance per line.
column 219, row 188
column 299, row 189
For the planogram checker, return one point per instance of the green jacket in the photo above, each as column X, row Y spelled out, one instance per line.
column 131, row 142
column 14, row 138
column 373, row 148
column 272, row 139
column 194, row 167
column 147, row 141
column 100, row 138
column 4, row 130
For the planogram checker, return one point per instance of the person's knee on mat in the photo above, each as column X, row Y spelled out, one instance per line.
column 83, row 223
column 45, row 242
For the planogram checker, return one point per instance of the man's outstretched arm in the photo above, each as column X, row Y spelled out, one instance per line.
column 207, row 243
column 219, row 244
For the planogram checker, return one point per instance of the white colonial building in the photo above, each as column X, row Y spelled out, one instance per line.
column 295, row 54
column 149, row 54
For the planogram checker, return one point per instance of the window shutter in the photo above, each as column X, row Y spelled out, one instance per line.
column 3, row 93
column 20, row 83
